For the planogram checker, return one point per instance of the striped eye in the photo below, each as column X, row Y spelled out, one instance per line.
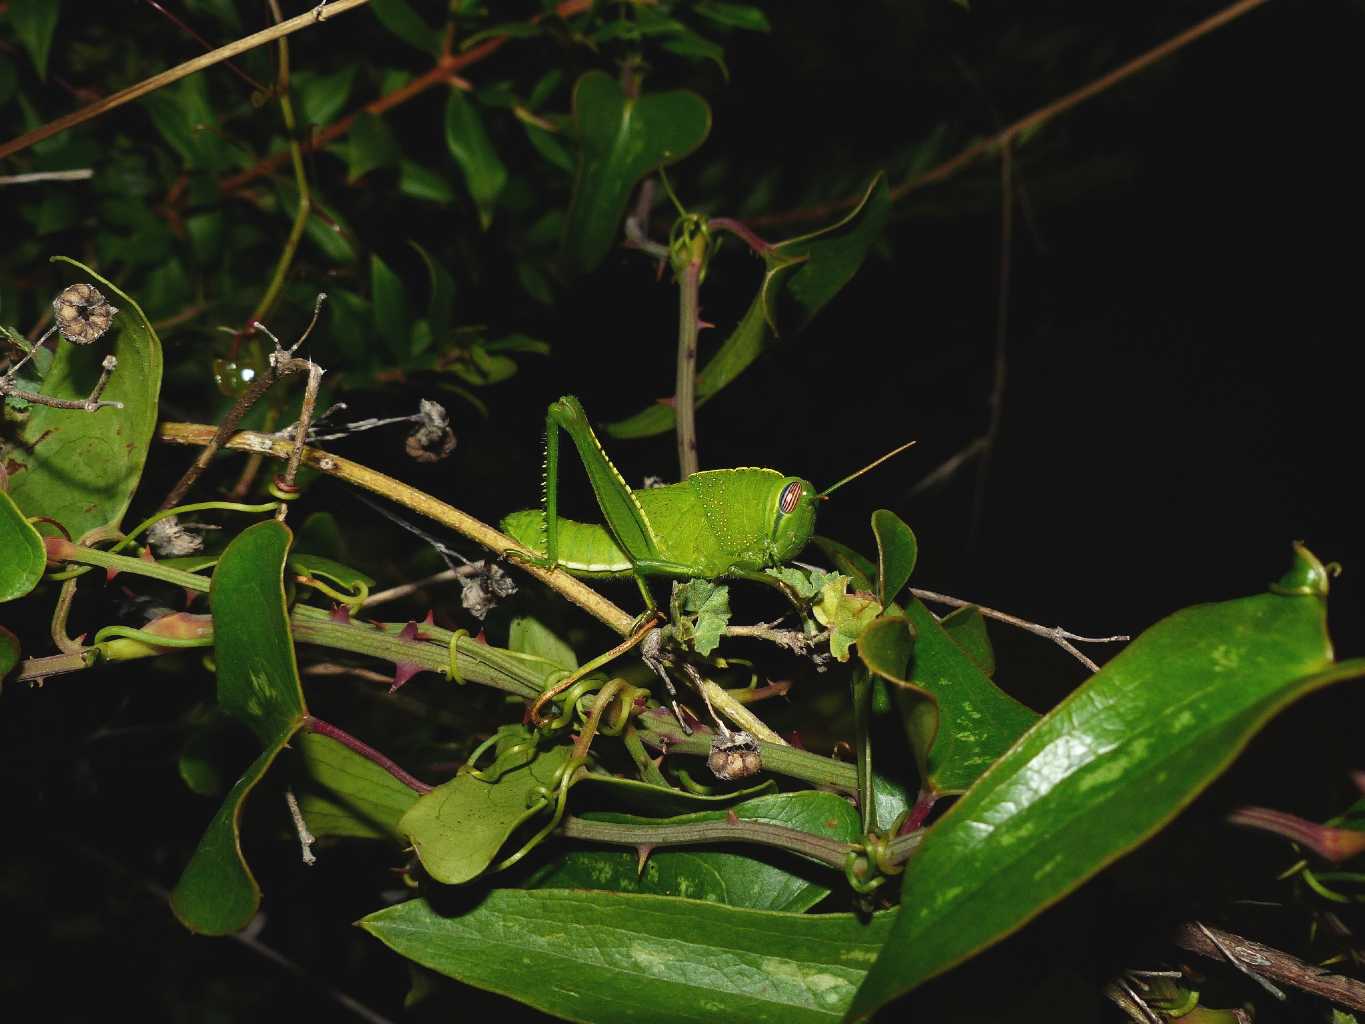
column 791, row 496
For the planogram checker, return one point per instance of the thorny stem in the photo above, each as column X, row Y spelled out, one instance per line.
column 1272, row 963
column 418, row 501
column 659, row 730
column 1056, row 634
column 1026, row 124
column 321, row 728
column 309, row 18
column 817, row 848
column 685, row 393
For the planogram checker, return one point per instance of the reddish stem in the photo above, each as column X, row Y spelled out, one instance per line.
column 366, row 751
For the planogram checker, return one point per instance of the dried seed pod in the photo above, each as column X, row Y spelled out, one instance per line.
column 433, row 440
column 734, row 756
column 82, row 313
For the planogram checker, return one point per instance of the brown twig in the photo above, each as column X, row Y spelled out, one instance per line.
column 1002, row 317
column 1215, row 944
column 312, row 17
column 445, row 69
column 992, row 143
column 419, row 501
column 1061, row 637
column 91, row 403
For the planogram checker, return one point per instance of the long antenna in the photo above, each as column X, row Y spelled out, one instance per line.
column 871, row 465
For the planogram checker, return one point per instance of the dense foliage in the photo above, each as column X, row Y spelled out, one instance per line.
column 284, row 687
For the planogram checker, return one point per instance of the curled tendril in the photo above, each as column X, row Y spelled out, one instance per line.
column 155, row 639
column 453, row 671
column 859, row 883
column 569, row 701
column 282, row 490
column 352, row 600
column 526, row 746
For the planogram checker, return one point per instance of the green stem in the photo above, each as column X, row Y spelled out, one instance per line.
column 660, row 731
column 61, row 550
column 862, row 727
column 305, row 209
column 816, row 848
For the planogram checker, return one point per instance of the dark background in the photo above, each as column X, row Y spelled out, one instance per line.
column 1181, row 404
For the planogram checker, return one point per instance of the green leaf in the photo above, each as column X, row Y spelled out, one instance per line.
column 369, row 144
column 967, row 627
column 619, row 958
column 806, row 582
column 1131, row 747
column 390, row 303
column 484, row 174
column 258, row 676
column 184, row 116
column 201, row 760
column 742, row 16
column 973, row 722
column 773, row 881
column 423, row 183
column 35, row 22
column 829, row 257
column 441, row 308
column 9, row 652
column 345, row 794
column 81, row 468
column 620, row 141
column 701, row 612
column 399, row 17
column 459, row 827
column 846, row 614
column 528, row 635
column 547, row 144
column 322, row 97
column 258, row 683
column 22, row 565
column 897, row 551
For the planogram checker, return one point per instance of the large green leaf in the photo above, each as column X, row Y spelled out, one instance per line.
column 21, row 567
column 619, row 957
column 967, row 627
column 258, row 683
column 459, row 827
column 1128, row 750
column 485, row 175
column 973, row 722
column 345, row 794
column 81, row 468
column 830, row 256
column 801, row 275
column 968, row 721
column 775, row 881
column 621, row 139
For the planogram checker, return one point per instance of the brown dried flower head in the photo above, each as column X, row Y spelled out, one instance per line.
column 82, row 313
column 735, row 756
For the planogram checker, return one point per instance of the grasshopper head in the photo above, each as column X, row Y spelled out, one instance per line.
column 793, row 518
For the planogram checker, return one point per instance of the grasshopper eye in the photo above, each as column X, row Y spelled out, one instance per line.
column 790, row 498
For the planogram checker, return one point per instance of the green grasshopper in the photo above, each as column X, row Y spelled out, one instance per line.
column 716, row 523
